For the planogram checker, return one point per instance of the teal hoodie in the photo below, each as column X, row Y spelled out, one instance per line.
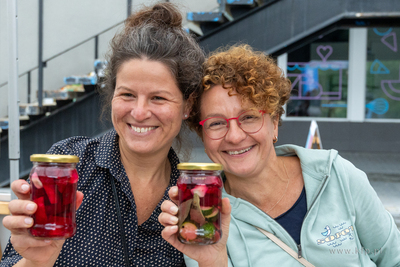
column 345, row 224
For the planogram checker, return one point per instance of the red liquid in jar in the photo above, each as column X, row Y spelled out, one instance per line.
column 53, row 189
column 200, row 211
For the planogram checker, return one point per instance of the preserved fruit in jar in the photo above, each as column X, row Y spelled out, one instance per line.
column 200, row 198
column 53, row 181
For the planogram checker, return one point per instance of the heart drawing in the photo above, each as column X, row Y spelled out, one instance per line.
column 321, row 51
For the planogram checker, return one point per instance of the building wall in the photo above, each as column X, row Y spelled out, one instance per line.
column 349, row 137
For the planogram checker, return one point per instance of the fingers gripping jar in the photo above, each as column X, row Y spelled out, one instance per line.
column 200, row 190
column 53, row 181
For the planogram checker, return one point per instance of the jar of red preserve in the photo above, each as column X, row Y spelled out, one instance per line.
column 200, row 190
column 53, row 181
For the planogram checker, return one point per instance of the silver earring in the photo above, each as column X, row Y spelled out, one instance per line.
column 185, row 115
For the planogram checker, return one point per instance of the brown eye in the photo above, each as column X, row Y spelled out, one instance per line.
column 159, row 98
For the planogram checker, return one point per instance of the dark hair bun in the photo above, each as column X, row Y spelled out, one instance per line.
column 164, row 15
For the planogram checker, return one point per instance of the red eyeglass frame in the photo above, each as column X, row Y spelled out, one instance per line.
column 227, row 125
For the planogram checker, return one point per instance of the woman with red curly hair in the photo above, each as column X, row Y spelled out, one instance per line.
column 289, row 206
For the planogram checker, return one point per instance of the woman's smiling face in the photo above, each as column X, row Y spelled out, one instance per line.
column 240, row 153
column 147, row 107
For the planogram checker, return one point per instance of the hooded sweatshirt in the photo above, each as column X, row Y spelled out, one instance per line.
column 345, row 224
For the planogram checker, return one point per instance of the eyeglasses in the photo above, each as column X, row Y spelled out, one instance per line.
column 250, row 121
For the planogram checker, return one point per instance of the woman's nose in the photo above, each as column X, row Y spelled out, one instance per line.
column 141, row 110
column 235, row 134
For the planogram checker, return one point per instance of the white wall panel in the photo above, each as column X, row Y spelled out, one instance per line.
column 67, row 23
column 61, row 67
column 28, row 27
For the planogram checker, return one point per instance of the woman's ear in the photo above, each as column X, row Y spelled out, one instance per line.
column 188, row 108
column 275, row 121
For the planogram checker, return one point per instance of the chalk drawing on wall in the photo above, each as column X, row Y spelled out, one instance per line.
column 389, row 88
column 382, row 33
column 378, row 106
column 377, row 67
column 306, row 83
column 390, row 40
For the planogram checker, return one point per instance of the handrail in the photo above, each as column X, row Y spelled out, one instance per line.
column 88, row 39
column 67, row 50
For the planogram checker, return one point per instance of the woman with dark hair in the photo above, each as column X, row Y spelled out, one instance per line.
column 290, row 206
column 153, row 72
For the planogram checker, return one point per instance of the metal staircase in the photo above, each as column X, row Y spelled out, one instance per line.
column 280, row 26
column 201, row 23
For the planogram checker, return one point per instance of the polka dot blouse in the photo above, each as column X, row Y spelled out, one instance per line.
column 97, row 241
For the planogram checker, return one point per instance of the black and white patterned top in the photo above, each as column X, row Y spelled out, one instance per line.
column 97, row 241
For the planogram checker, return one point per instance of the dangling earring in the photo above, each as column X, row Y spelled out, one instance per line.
column 275, row 139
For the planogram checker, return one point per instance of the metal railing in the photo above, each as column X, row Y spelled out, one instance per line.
column 43, row 63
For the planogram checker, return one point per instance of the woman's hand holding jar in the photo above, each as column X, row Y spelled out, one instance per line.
column 35, row 252
column 205, row 255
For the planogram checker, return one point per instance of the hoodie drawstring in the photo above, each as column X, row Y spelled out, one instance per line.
column 243, row 238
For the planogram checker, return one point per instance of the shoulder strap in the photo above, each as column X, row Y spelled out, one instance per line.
column 285, row 247
column 120, row 222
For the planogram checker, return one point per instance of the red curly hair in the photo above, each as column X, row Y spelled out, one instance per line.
column 251, row 74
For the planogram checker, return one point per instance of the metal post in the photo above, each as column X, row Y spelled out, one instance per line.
column 40, row 55
column 13, row 105
column 222, row 6
column 96, row 47
column 129, row 8
column 282, row 64
column 29, row 87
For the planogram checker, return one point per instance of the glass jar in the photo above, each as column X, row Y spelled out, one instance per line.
column 200, row 190
column 53, row 181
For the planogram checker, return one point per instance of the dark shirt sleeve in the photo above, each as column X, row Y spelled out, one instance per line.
column 10, row 256
column 65, row 147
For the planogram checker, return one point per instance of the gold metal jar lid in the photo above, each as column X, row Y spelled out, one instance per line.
column 54, row 158
column 200, row 166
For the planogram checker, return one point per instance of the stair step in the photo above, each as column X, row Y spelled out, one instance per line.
column 77, row 79
column 4, row 127
column 206, row 16
column 239, row 2
column 99, row 66
column 193, row 28
column 61, row 95
column 31, row 109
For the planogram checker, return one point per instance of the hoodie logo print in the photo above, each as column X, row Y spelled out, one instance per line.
column 337, row 235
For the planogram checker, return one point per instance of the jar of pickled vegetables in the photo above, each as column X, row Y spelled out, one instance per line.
column 53, row 181
column 200, row 190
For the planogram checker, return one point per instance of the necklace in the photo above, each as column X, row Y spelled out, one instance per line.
column 287, row 185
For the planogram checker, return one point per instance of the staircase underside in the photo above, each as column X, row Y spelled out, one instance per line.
column 276, row 27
